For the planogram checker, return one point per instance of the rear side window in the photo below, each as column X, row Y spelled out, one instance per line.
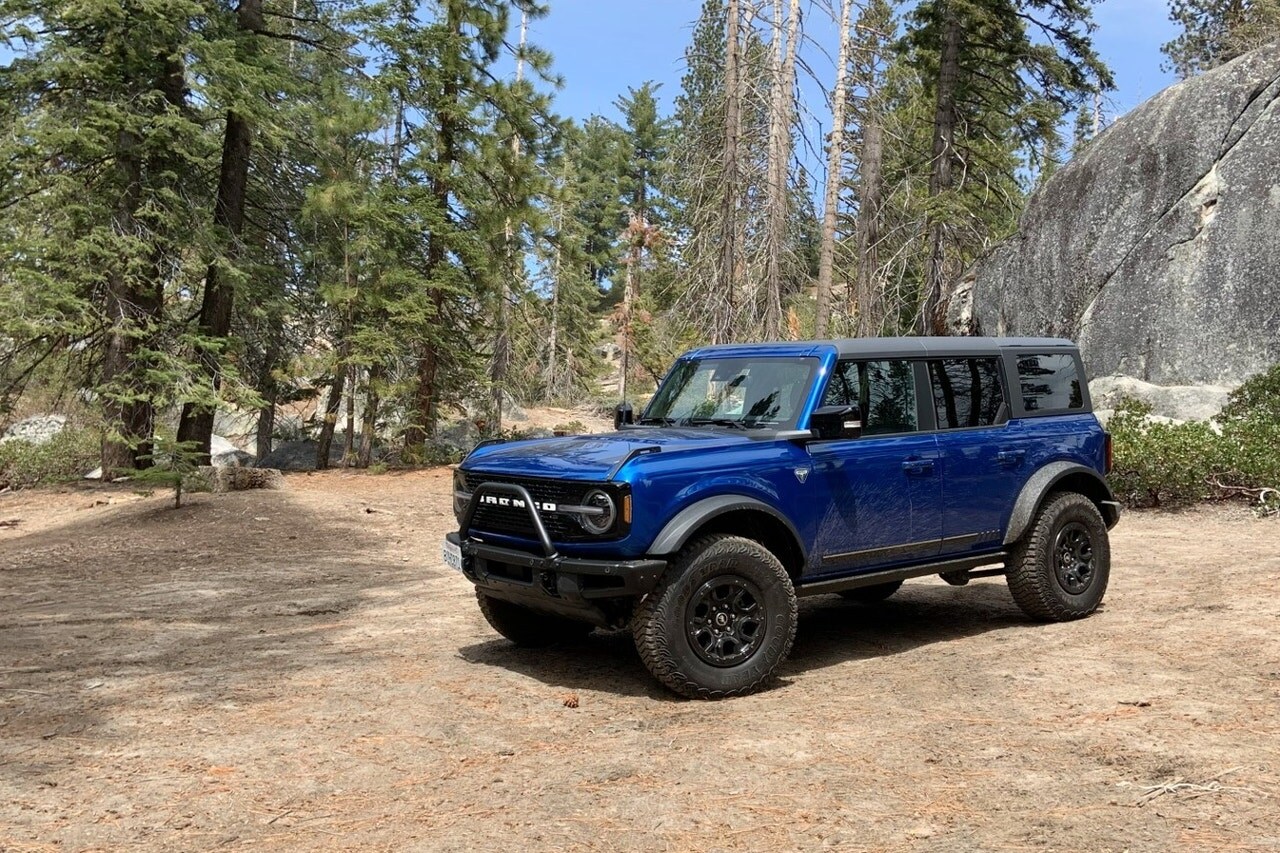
column 1049, row 381
column 967, row 392
column 884, row 391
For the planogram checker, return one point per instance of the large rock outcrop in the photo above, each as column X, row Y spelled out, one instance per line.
column 1158, row 247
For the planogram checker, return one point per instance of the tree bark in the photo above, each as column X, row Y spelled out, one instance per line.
column 723, row 309
column 369, row 422
column 944, row 130
column 835, row 156
column 867, row 227
column 228, row 217
column 336, row 387
column 123, row 429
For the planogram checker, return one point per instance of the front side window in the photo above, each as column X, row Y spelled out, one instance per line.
column 735, row 392
column 1049, row 382
column 967, row 392
column 883, row 391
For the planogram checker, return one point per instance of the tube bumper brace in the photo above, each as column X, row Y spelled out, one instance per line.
column 567, row 586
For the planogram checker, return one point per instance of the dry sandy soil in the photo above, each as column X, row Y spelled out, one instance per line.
column 296, row 670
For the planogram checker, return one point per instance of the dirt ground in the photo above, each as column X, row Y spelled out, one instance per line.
column 297, row 670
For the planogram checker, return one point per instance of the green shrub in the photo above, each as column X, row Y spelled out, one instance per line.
column 1160, row 464
column 1250, row 425
column 1236, row 455
column 66, row 456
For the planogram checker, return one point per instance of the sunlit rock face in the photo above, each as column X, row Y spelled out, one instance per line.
column 1158, row 246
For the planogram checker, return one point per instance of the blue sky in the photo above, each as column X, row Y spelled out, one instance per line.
column 603, row 46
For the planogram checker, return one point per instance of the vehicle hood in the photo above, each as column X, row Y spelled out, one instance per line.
column 591, row 457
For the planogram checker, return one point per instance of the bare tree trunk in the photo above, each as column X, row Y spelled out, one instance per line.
column 724, row 303
column 944, row 130
column 228, row 216
column 370, row 421
column 550, row 378
column 349, row 440
column 835, row 157
column 782, row 106
column 628, row 300
column 867, row 227
column 270, row 391
column 336, row 387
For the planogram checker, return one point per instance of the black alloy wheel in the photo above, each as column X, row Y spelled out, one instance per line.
column 725, row 620
column 1073, row 558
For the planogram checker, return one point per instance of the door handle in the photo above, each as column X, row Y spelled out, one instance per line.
column 1011, row 457
column 918, row 466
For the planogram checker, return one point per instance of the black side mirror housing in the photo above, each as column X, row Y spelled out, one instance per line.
column 836, row 422
column 623, row 414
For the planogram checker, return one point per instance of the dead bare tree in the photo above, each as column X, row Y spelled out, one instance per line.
column 835, row 156
column 781, row 113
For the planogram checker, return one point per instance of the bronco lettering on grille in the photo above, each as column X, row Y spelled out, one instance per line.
column 515, row 503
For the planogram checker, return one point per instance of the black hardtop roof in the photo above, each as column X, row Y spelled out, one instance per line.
column 941, row 346
column 914, row 347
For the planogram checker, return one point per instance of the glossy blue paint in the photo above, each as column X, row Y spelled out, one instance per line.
column 926, row 494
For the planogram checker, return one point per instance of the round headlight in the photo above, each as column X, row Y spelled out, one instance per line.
column 460, row 495
column 602, row 515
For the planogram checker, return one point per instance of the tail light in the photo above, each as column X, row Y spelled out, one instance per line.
column 1107, row 460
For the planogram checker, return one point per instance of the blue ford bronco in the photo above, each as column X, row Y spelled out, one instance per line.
column 760, row 473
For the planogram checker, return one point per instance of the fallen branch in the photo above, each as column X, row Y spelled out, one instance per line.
column 1196, row 789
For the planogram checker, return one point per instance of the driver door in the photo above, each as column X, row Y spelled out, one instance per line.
column 879, row 482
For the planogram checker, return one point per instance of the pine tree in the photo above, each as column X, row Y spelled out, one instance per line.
column 100, row 143
column 1216, row 31
column 647, row 138
column 987, row 74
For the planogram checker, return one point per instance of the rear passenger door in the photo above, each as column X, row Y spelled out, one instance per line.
column 983, row 454
column 878, row 483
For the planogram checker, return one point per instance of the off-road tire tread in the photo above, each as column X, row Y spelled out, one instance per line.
column 527, row 628
column 655, row 610
column 1029, row 574
column 872, row 594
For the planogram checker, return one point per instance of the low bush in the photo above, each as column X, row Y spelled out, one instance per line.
column 66, row 456
column 1236, row 455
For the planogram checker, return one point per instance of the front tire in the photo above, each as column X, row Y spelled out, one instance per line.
column 720, row 621
column 529, row 628
column 1059, row 571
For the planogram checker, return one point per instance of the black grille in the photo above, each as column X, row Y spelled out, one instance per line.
column 512, row 520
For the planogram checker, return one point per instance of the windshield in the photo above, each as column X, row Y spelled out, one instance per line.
column 733, row 392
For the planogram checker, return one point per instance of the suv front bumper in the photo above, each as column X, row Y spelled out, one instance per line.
column 566, row 586
column 590, row 590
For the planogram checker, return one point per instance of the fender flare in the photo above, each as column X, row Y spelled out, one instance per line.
column 677, row 532
column 1042, row 482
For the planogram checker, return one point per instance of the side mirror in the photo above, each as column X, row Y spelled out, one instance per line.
column 623, row 414
column 836, row 422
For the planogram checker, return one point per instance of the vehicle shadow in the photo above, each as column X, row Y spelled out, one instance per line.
column 831, row 631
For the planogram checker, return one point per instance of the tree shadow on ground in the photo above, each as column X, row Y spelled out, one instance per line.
column 831, row 631
column 140, row 606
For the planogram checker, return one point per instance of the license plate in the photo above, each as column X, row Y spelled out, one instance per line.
column 452, row 555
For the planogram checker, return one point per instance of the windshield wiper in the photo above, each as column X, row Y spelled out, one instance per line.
column 658, row 420
column 726, row 422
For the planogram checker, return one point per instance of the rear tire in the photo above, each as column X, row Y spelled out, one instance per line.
column 872, row 594
column 720, row 621
column 529, row 628
column 1059, row 571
